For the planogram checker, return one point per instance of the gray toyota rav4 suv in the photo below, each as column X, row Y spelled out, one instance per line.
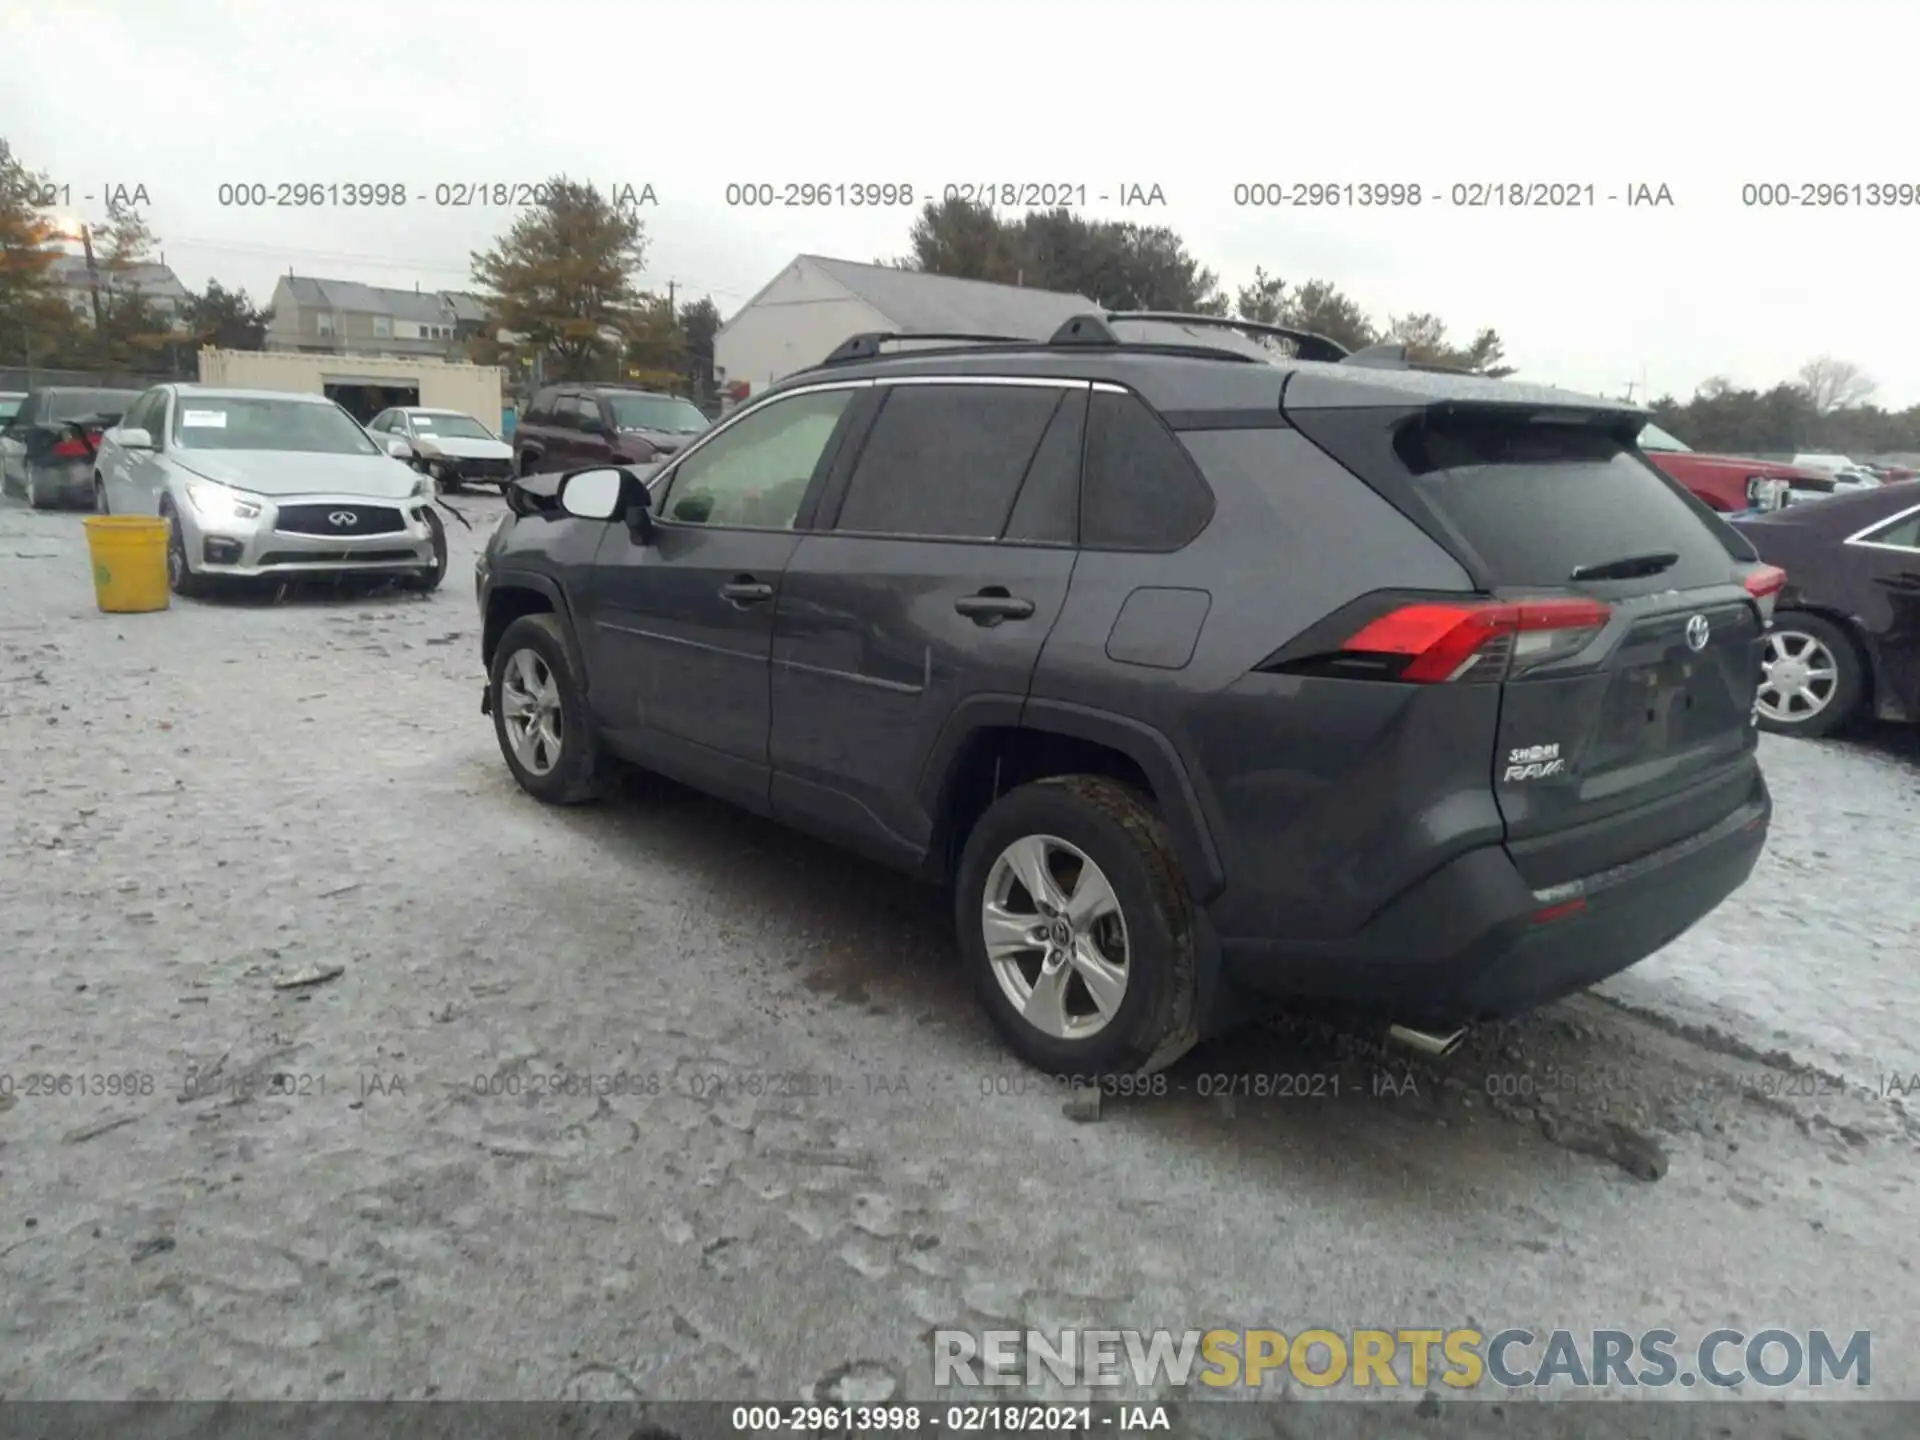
column 1207, row 662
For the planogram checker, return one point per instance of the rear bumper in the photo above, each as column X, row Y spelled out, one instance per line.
column 1469, row 942
column 66, row 480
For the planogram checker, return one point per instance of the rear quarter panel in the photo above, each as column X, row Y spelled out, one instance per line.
column 1323, row 797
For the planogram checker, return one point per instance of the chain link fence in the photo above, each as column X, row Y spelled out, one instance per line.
column 37, row 377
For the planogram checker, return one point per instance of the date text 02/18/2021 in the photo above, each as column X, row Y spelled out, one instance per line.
column 1459, row 195
column 911, row 1418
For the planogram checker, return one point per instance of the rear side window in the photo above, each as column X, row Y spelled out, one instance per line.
column 947, row 461
column 1903, row 534
column 1142, row 490
column 1537, row 501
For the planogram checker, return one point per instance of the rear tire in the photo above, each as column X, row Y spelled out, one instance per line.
column 533, row 677
column 1815, row 677
column 100, row 506
column 35, row 499
column 1115, row 997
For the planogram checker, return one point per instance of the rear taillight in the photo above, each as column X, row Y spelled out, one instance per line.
column 1433, row 643
column 1765, row 585
column 70, row 450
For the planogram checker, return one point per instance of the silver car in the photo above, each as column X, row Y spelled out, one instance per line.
column 454, row 448
column 260, row 483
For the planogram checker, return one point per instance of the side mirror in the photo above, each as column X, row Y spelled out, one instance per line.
column 134, row 438
column 594, row 494
column 398, row 447
column 640, row 515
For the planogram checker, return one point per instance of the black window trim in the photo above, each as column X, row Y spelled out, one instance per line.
column 662, row 486
column 829, row 524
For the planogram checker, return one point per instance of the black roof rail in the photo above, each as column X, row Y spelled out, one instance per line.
column 866, row 345
column 1098, row 330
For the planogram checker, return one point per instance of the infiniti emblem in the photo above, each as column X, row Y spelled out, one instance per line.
column 343, row 519
column 1697, row 633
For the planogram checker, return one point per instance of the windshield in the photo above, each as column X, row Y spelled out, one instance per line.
column 656, row 412
column 72, row 404
column 451, row 427
column 1654, row 438
column 219, row 422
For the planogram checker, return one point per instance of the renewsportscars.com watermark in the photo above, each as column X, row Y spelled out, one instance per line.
column 1414, row 1358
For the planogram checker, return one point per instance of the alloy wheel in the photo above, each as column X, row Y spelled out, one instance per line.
column 1799, row 676
column 1055, row 936
column 530, row 711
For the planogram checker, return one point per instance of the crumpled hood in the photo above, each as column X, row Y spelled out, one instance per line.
column 461, row 447
column 282, row 473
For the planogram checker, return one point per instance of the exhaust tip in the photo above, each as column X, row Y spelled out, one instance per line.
column 1426, row 1042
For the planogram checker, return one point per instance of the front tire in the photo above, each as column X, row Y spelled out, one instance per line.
column 1075, row 920
column 1813, row 676
column 180, row 577
column 428, row 580
column 541, row 719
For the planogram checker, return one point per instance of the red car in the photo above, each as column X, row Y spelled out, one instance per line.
column 1728, row 482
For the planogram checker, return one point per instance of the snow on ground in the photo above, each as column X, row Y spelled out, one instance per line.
column 1818, row 955
column 657, row 1099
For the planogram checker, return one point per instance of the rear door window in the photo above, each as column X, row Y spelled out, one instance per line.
column 1048, row 510
column 1536, row 501
column 947, row 461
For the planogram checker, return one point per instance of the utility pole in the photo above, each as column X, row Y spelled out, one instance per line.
column 93, row 277
column 672, row 317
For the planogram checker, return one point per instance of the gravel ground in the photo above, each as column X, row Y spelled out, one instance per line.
column 365, row 1187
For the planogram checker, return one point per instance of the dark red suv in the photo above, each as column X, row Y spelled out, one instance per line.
column 570, row 426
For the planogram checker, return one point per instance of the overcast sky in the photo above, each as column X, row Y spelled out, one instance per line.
column 181, row 96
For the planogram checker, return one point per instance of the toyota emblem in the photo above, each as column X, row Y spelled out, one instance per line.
column 346, row 519
column 1698, row 632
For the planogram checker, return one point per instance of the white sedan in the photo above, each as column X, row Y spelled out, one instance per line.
column 453, row 447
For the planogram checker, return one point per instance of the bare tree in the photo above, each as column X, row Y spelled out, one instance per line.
column 1831, row 384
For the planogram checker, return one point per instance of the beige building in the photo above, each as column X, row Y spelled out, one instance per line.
column 815, row 303
column 364, row 384
column 343, row 316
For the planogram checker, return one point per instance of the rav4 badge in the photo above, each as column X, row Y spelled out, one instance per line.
column 1533, row 762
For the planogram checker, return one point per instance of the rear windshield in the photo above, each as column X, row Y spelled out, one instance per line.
column 1537, row 501
column 72, row 404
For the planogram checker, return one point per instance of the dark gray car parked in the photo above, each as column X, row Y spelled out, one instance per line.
column 1206, row 661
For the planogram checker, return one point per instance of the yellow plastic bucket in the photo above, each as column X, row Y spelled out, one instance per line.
column 129, row 554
